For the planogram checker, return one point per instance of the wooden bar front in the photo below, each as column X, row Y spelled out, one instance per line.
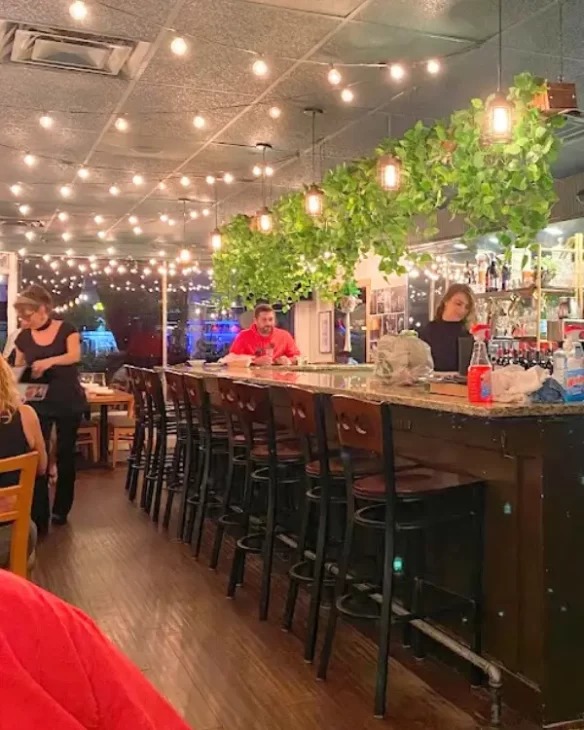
column 531, row 460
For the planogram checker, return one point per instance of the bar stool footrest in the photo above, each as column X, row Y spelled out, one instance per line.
column 246, row 543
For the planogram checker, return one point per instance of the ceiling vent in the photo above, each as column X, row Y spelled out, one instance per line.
column 71, row 51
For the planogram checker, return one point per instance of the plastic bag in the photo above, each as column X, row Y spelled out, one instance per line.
column 403, row 359
column 240, row 361
column 513, row 384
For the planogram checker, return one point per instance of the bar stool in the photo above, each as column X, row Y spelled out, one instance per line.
column 176, row 391
column 412, row 502
column 275, row 464
column 135, row 458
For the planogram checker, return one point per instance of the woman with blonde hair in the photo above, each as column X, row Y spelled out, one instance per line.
column 455, row 312
column 20, row 432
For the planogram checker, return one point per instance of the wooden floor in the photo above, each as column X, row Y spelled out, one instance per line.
column 215, row 662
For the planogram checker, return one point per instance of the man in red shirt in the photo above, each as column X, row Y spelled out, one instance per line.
column 264, row 341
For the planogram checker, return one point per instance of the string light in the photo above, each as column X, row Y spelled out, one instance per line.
column 101, row 234
column 433, row 66
column 164, row 218
column 66, row 191
column 16, row 190
column 137, row 230
column 347, row 95
column 161, row 185
column 257, row 170
column 397, row 71
column 199, row 121
column 114, row 190
column 98, row 219
column 122, row 124
column 210, row 180
column 62, row 216
column 184, row 256
column 66, row 236
column 260, row 67
column 30, row 160
column 30, row 235
column 78, row 10
column 334, row 76
column 24, row 209
column 228, row 178
column 138, row 179
column 171, row 222
column 185, row 181
column 269, row 171
column 193, row 214
column 132, row 220
column 275, row 112
column 206, row 212
column 111, row 250
column 69, row 252
column 22, row 252
column 46, row 121
column 83, row 173
column 179, row 46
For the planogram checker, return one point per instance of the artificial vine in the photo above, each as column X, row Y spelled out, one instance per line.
column 501, row 187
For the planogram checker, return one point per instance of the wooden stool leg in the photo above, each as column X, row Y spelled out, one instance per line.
column 115, row 446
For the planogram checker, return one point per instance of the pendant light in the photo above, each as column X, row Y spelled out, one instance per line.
column 216, row 240
column 314, row 196
column 389, row 169
column 263, row 218
column 184, row 254
column 499, row 110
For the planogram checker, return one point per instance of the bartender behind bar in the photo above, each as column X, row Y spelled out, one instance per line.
column 455, row 312
column 266, row 343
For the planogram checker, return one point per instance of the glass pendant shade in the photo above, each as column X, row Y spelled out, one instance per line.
column 264, row 220
column 216, row 240
column 314, row 201
column 499, row 119
column 389, row 170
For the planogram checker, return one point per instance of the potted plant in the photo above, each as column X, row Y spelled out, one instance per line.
column 349, row 296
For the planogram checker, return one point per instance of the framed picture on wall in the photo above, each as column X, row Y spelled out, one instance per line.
column 325, row 328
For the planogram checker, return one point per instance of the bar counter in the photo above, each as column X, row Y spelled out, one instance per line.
column 530, row 457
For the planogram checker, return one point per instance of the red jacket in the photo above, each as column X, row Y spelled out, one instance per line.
column 278, row 344
column 57, row 670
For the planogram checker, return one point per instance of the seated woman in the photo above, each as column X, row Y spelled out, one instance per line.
column 455, row 312
column 20, row 432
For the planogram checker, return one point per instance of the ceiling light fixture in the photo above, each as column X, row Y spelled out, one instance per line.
column 137, row 230
column 498, row 109
column 83, row 173
column 397, row 71
column 114, row 190
column 260, row 67
column 138, row 179
column 78, row 10
column 433, row 66
column 66, row 237
column 46, row 121
column 98, row 219
column 122, row 124
column 210, row 180
column 69, row 252
column 185, row 181
column 171, row 222
column 30, row 160
column 132, row 220
column 193, row 214
column 111, row 250
column 206, row 212
column 16, row 190
column 199, row 121
column 62, row 216
column 216, row 239
column 389, row 173
column 101, row 234
column 179, row 46
column 257, row 170
column 347, row 95
column 66, row 191
column 334, row 76
column 164, row 217
column 314, row 196
column 275, row 112
column 228, row 178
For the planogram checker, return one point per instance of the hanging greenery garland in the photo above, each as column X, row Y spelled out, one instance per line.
column 505, row 188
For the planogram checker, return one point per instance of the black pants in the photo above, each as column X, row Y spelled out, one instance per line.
column 66, row 426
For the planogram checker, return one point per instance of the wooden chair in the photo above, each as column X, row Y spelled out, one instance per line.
column 15, row 505
column 121, row 428
column 88, row 438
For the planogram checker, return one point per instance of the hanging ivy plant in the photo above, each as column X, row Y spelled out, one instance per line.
column 498, row 187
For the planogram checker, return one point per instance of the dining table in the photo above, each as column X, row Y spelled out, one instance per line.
column 104, row 400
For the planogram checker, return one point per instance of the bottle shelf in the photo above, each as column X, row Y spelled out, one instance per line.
column 524, row 293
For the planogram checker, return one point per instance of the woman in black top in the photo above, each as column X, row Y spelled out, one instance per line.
column 455, row 311
column 51, row 350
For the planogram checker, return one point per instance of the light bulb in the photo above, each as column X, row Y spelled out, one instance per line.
column 78, row 10
column 63, row 216
column 216, row 240
column 24, row 209
column 389, row 172
column 138, row 180
column 66, row 236
column 185, row 181
column 499, row 118
column 314, row 201
column 199, row 121
column 162, row 253
column 113, row 263
column 185, row 256
column 210, row 180
column 264, row 219
column 137, row 230
column 161, row 185
column 66, row 191
column 179, row 46
column 334, row 76
column 101, row 234
column 171, row 222
column 16, row 190
column 193, row 214
column 433, row 66
column 69, row 252
column 206, row 212
column 30, row 160
column 22, row 252
column 260, row 67
column 46, row 121
column 164, row 217
column 122, row 124
column 114, row 190
column 269, row 171
column 83, row 173
column 111, row 250
column 107, row 270
column 347, row 95
column 98, row 219
column 257, row 170
column 132, row 220
column 228, row 178
column 275, row 112
column 397, row 71
column 30, row 236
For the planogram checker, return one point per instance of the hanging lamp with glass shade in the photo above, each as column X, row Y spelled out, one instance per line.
column 389, row 172
column 263, row 219
column 184, row 255
column 499, row 110
column 216, row 238
column 314, row 196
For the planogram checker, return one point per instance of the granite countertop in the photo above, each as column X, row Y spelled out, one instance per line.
column 364, row 385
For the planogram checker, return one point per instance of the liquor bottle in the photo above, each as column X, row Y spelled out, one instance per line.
column 468, row 274
column 505, row 277
column 492, row 276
